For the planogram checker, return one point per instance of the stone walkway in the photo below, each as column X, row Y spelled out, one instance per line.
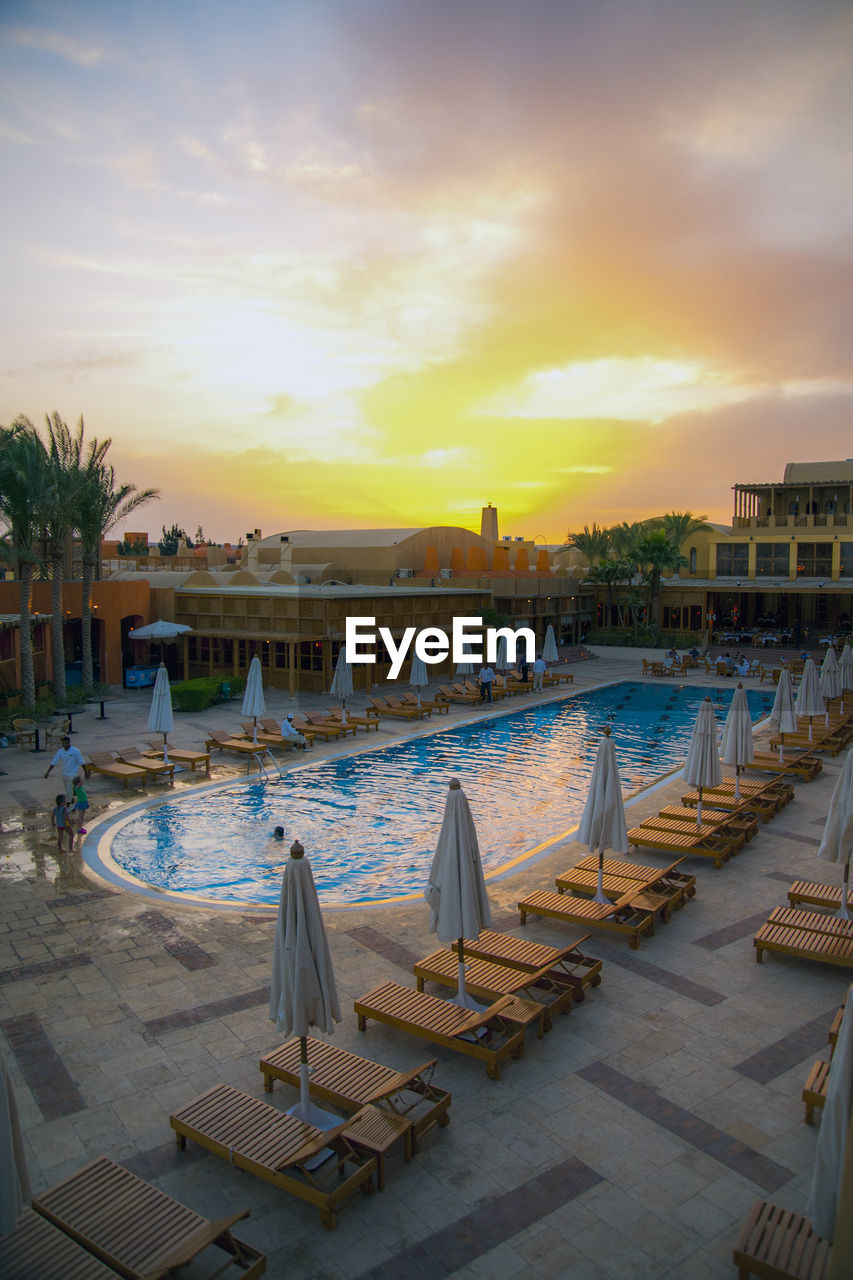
column 629, row 1141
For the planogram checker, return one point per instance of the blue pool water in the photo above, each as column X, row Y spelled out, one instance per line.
column 369, row 822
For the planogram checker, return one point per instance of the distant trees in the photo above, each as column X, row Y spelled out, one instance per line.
column 173, row 540
column 52, row 488
column 628, row 556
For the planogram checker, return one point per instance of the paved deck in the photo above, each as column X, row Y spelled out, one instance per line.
column 630, row 1141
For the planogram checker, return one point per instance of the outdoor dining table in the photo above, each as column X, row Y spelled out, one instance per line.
column 69, row 713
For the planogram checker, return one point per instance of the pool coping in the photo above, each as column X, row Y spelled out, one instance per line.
column 101, row 866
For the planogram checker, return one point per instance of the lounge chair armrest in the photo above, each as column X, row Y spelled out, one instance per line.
column 401, row 1080
column 194, row 1243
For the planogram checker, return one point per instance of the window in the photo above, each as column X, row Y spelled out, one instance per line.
column 814, row 559
column 847, row 559
column 733, row 560
column 772, row 559
column 692, row 559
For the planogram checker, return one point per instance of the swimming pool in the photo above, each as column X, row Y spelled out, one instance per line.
column 369, row 821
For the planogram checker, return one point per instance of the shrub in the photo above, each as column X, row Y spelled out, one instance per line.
column 195, row 695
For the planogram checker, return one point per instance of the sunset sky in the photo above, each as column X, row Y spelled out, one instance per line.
column 332, row 263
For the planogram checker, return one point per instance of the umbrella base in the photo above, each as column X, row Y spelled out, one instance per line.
column 602, row 900
column 465, row 1001
column 320, row 1120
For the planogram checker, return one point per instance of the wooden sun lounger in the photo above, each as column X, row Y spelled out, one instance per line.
column 621, row 879
column 830, row 742
column 263, row 737
column 315, row 720
column 619, row 917
column 719, row 819
column 558, row 677
column 422, row 712
column 155, row 768
column 136, row 1229
column 708, row 846
column 410, row 700
column 225, row 742
column 273, row 728
column 779, row 1245
column 277, row 1147
column 814, row 1090
column 364, row 722
column 106, row 763
column 444, row 1023
column 688, row 826
column 399, row 713
column 801, row 765
column 37, row 1248
column 181, row 755
column 567, row 966
column 453, row 696
column 489, row 980
column 729, row 803
column 808, row 935
column 349, row 1082
column 814, row 894
column 324, row 730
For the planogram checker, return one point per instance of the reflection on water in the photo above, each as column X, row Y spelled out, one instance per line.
column 370, row 823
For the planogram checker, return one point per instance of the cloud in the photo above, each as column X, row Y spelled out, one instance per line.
column 58, row 43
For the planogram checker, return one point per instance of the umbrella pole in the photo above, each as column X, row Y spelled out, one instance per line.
column 599, row 891
column 419, row 696
column 343, row 710
column 844, row 913
column 254, row 731
column 304, row 1073
column 166, row 749
column 737, row 782
column 811, row 734
column 699, row 810
column 781, row 748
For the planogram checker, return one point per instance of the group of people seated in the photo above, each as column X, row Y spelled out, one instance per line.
column 735, row 666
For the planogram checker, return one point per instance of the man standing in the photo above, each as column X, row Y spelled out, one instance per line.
column 72, row 764
column 538, row 673
column 485, row 676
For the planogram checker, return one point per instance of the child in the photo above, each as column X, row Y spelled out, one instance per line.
column 81, row 804
column 59, row 819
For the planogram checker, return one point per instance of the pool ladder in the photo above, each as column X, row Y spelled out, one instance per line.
column 263, row 771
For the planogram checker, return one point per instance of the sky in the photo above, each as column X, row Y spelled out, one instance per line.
column 364, row 263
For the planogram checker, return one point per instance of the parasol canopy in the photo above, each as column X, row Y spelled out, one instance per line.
column 837, row 840
column 808, row 701
column 341, row 686
column 736, row 746
column 702, row 767
column 253, row 697
column 603, row 823
column 160, row 713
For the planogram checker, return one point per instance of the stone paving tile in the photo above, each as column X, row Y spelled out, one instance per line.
column 205, row 1012
column 798, row 1045
column 384, row 946
column 464, row 1240
column 655, row 973
column 42, row 1068
column 744, row 928
column 79, row 899
column 798, row 836
column 58, row 965
column 189, row 953
column 707, row 1138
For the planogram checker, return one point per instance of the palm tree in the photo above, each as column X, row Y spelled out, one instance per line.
column 593, row 543
column 681, row 525
column 24, row 495
column 657, row 555
column 63, row 454
column 101, row 507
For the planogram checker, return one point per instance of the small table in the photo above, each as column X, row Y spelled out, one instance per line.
column 101, row 702
column 69, row 713
column 377, row 1131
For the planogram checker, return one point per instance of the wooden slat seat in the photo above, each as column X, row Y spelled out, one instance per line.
column 278, row 1148
column 108, row 764
column 715, row 846
column 180, row 755
column 566, row 965
column 423, row 712
column 728, row 802
column 622, row 878
column 136, row 1229
column 688, row 826
column 721, row 820
column 452, row 695
column 397, row 713
column 225, row 742
column 828, row 741
column 619, row 917
column 349, row 1082
column 815, row 894
column 317, row 728
column 488, row 980
column 650, row 877
column 814, row 1090
column 366, row 723
column 799, row 765
column 808, row 935
column 444, row 1023
column 779, row 1245
column 835, row 1025
column 36, row 1248
column 154, row 767
column 411, row 700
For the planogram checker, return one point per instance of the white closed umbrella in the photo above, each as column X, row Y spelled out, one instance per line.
column 549, row 648
column 456, row 892
column 829, row 683
column 837, row 840
column 14, row 1179
column 736, row 746
column 302, row 991
column 341, row 686
column 809, row 702
column 418, row 676
column 845, row 667
column 253, row 697
column 783, row 715
column 832, row 1136
column 603, row 823
column 501, row 659
column 702, row 767
column 160, row 712
column 159, row 630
